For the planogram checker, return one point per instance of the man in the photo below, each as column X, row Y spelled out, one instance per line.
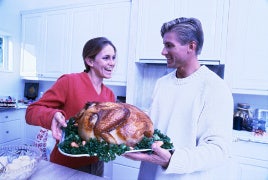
column 192, row 105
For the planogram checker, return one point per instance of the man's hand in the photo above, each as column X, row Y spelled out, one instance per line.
column 160, row 156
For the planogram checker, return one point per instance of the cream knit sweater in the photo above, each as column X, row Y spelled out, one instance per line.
column 196, row 113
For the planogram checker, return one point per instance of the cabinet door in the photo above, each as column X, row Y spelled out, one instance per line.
column 213, row 15
column 213, row 19
column 247, row 46
column 252, row 159
column 114, row 23
column 55, row 41
column 111, row 21
column 121, row 172
column 32, row 30
column 253, row 172
column 44, row 44
column 12, row 130
column 151, row 15
column 83, row 27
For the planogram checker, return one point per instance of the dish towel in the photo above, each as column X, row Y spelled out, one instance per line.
column 45, row 142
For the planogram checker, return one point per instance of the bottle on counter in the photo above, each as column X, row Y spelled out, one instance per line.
column 243, row 117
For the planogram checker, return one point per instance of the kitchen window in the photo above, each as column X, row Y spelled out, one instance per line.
column 5, row 53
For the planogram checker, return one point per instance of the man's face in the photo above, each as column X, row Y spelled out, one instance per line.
column 174, row 51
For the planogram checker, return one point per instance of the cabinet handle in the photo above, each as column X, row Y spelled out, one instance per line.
column 6, row 117
column 7, row 132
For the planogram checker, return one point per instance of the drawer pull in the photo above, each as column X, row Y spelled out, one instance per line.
column 6, row 117
column 7, row 132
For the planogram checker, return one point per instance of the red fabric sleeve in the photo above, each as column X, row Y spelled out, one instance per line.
column 41, row 112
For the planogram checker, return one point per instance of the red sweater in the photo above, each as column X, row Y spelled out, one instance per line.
column 68, row 95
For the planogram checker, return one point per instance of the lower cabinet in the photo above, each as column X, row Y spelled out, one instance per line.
column 122, row 172
column 14, row 129
column 11, row 127
column 124, row 168
column 31, row 132
column 252, row 172
column 252, row 159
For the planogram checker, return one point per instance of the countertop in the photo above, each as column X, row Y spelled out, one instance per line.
column 49, row 170
column 250, row 136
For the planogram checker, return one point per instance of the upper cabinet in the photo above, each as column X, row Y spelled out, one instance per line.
column 55, row 44
column 213, row 18
column 53, row 39
column 115, row 22
column 151, row 15
column 247, row 46
column 31, row 46
column 108, row 20
column 84, row 22
column 44, row 44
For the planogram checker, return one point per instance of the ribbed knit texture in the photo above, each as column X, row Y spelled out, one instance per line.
column 196, row 113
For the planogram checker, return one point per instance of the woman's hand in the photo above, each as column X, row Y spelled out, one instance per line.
column 160, row 156
column 58, row 121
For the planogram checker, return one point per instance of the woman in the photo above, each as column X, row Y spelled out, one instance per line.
column 69, row 95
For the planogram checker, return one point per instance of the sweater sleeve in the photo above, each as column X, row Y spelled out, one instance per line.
column 41, row 112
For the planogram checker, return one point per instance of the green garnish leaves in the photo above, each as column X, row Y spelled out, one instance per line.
column 146, row 143
column 104, row 151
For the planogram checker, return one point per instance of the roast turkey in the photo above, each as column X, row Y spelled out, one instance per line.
column 115, row 123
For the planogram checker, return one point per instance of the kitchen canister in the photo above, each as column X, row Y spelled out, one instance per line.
column 242, row 119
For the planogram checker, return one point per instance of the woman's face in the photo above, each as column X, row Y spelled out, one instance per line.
column 175, row 53
column 104, row 62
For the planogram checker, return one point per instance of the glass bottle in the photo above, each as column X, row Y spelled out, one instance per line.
column 243, row 117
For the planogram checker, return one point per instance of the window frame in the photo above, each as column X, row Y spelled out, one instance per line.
column 6, row 64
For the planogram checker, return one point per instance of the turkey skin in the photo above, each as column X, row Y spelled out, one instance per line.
column 115, row 123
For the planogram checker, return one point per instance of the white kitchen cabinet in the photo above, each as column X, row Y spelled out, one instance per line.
column 151, row 15
column 44, row 44
column 31, row 133
column 252, row 158
column 213, row 18
column 53, row 39
column 11, row 127
column 122, row 172
column 14, row 129
column 108, row 20
column 115, row 22
column 31, row 46
column 56, row 38
column 84, row 22
column 124, row 168
column 247, row 46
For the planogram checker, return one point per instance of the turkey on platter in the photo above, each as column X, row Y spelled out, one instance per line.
column 115, row 123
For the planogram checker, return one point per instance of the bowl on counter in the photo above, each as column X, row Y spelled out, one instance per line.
column 18, row 162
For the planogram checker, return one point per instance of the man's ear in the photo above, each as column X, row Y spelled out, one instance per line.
column 192, row 46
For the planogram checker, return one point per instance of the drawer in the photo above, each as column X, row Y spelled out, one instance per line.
column 121, row 172
column 9, row 115
column 127, row 162
column 10, row 131
column 250, row 150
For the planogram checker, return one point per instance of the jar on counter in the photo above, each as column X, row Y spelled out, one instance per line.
column 243, row 117
column 259, row 123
